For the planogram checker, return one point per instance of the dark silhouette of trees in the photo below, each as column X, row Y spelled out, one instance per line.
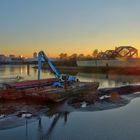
column 63, row 55
column 73, row 56
column 95, row 53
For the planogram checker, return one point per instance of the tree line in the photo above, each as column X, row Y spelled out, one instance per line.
column 79, row 56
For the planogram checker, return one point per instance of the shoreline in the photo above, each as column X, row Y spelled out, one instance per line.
column 107, row 70
column 76, row 69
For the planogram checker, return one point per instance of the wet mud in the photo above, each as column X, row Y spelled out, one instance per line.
column 18, row 114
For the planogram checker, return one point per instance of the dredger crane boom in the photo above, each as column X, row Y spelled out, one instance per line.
column 41, row 55
column 67, row 77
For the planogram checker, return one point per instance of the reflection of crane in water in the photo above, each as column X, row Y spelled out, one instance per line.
column 51, row 128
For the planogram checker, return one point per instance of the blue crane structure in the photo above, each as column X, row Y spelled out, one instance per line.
column 60, row 82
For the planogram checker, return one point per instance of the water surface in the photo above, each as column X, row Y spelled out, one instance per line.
column 121, row 123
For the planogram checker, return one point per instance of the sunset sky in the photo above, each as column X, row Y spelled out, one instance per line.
column 71, row 26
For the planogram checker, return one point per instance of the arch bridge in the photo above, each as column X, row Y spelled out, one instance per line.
column 122, row 51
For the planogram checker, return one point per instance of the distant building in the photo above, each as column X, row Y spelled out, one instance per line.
column 8, row 60
column 2, row 58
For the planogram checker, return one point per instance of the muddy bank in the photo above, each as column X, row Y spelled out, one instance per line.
column 128, row 89
column 18, row 114
column 108, row 95
column 101, row 99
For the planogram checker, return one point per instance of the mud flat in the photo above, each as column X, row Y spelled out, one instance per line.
column 120, row 90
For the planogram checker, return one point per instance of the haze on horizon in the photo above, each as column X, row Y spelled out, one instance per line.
column 71, row 26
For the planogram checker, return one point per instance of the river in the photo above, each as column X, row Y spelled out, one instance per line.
column 119, row 123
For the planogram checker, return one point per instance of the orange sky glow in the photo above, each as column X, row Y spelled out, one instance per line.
column 74, row 26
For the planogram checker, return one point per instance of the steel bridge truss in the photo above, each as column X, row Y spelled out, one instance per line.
column 122, row 51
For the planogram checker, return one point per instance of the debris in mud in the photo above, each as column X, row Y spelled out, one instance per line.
column 114, row 96
column 2, row 116
column 84, row 104
column 83, row 101
column 24, row 114
column 103, row 95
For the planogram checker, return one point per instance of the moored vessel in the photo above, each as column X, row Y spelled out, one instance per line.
column 42, row 90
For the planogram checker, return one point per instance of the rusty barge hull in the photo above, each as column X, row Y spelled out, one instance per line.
column 59, row 94
column 31, row 83
column 14, row 91
column 47, row 93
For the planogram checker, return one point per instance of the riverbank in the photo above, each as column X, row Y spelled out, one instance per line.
column 106, row 70
column 74, row 69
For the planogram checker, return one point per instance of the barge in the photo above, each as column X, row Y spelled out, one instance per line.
column 43, row 90
column 55, row 94
column 46, row 92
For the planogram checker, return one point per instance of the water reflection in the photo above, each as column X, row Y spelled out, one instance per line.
column 15, row 116
column 110, row 80
column 48, row 119
column 9, row 70
column 26, row 71
column 102, row 120
column 106, row 80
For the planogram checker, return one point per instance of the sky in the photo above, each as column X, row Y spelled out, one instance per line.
column 67, row 26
